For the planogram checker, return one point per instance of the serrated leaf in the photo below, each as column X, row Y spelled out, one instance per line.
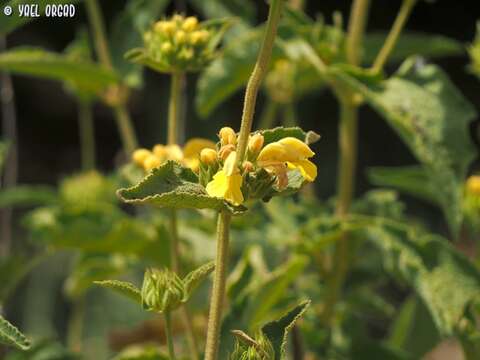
column 174, row 186
column 411, row 43
column 11, row 336
column 123, row 288
column 278, row 133
column 194, row 278
column 412, row 180
column 277, row 331
column 446, row 281
column 10, row 23
column 41, row 63
column 26, row 195
column 432, row 117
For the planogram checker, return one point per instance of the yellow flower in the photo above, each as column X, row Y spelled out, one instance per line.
column 291, row 152
column 473, row 185
column 192, row 150
column 227, row 183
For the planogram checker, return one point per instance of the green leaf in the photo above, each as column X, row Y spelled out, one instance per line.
column 413, row 329
column 41, row 63
column 123, row 288
column 446, row 281
column 127, row 31
column 174, row 186
column 432, row 117
column 277, row 331
column 10, row 23
column 411, row 43
column 11, row 336
column 26, row 195
column 278, row 133
column 194, row 278
column 412, row 180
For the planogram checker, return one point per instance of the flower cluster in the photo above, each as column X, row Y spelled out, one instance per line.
column 264, row 171
column 177, row 44
column 188, row 156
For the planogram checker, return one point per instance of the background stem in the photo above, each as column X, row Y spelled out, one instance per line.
column 259, row 71
column 268, row 117
column 75, row 324
column 169, row 334
column 87, row 135
column 218, row 290
column 393, row 35
column 174, row 108
column 9, row 132
column 122, row 117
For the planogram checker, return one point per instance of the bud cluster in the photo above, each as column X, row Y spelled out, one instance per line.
column 247, row 348
column 178, row 44
column 162, row 290
column 150, row 159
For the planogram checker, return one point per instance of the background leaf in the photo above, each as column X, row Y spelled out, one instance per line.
column 195, row 277
column 26, row 195
column 432, row 118
column 38, row 62
column 123, row 288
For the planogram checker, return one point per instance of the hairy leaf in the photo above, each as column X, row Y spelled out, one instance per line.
column 174, row 186
column 11, row 336
column 194, row 278
column 277, row 331
column 411, row 43
column 41, row 63
column 123, row 288
column 26, row 195
column 446, row 281
column 432, row 117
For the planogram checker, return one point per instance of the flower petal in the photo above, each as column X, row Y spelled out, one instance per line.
column 226, row 187
column 230, row 166
column 297, row 147
column 307, row 168
column 194, row 146
column 218, row 186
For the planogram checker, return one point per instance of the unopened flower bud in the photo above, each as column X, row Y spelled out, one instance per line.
column 165, row 27
column 151, row 162
column 247, row 166
column 208, row 156
column 190, row 24
column 166, row 47
column 177, row 18
column 255, row 144
column 140, row 155
column 162, row 290
column 225, row 151
column 473, row 185
column 160, row 151
column 180, row 37
column 186, row 54
column 227, row 136
column 199, row 37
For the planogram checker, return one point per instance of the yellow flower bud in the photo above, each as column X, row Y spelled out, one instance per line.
column 180, row 37
column 165, row 27
column 227, row 136
column 151, row 162
column 247, row 166
column 255, row 143
column 177, row 18
column 225, row 151
column 186, row 54
column 160, row 151
column 473, row 185
column 190, row 24
column 139, row 156
column 199, row 36
column 208, row 156
column 166, row 47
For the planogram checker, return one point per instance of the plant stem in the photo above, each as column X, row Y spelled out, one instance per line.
column 169, row 334
column 122, row 117
column 9, row 131
column 218, row 290
column 394, row 34
column 87, row 135
column 75, row 325
column 259, row 71
column 347, row 141
column 174, row 108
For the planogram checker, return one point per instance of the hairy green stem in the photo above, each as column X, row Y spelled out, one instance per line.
column 75, row 325
column 87, row 135
column 259, row 71
column 174, row 108
column 393, row 35
column 122, row 117
column 169, row 335
column 218, row 290
column 347, row 141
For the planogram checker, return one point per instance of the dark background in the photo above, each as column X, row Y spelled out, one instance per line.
column 47, row 124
